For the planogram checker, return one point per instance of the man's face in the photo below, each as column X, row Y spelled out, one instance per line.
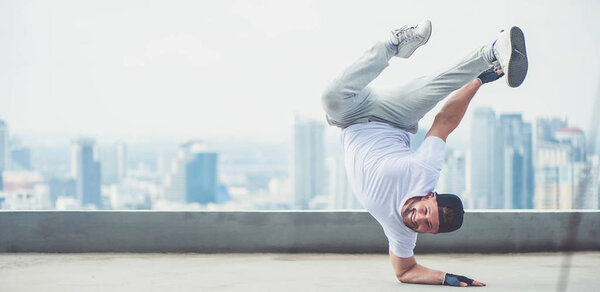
column 422, row 215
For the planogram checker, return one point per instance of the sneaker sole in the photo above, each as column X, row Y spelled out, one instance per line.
column 425, row 40
column 517, row 64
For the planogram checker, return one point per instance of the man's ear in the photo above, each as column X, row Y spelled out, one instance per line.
column 429, row 196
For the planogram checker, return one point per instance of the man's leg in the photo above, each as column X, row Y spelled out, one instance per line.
column 348, row 98
column 404, row 106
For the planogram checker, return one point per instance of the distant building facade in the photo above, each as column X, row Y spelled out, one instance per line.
column 122, row 162
column 516, row 162
column 20, row 158
column 453, row 176
column 565, row 177
column 484, row 179
column 194, row 178
column 87, row 170
column 3, row 149
column 114, row 163
column 341, row 196
column 308, row 161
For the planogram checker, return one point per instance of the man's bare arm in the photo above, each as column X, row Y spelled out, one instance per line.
column 408, row 271
column 453, row 110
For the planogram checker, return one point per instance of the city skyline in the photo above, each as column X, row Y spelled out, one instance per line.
column 73, row 73
column 548, row 150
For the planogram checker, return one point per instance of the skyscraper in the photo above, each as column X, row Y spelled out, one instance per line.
column 586, row 184
column 3, row 150
column 341, row 197
column 529, row 172
column 483, row 191
column 574, row 139
column 546, row 127
column 201, row 178
column 194, row 176
column 114, row 163
column 108, row 159
column 87, row 169
column 175, row 183
column 121, row 160
column 516, row 161
column 564, row 178
column 4, row 158
column 585, row 169
column 308, row 162
column 453, row 177
column 20, row 158
column 553, row 176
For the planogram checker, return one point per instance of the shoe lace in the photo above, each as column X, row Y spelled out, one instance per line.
column 406, row 32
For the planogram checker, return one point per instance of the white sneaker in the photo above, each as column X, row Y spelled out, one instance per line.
column 509, row 50
column 408, row 38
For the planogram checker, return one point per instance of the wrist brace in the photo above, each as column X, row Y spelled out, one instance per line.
column 454, row 280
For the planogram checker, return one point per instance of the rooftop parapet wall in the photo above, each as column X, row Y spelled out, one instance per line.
column 285, row 232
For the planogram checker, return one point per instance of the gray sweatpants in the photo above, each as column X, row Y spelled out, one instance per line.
column 348, row 100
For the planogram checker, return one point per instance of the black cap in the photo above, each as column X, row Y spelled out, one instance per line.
column 452, row 218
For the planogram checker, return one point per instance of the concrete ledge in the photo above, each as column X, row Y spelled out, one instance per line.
column 285, row 232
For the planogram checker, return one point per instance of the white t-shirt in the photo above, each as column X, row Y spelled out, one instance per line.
column 384, row 173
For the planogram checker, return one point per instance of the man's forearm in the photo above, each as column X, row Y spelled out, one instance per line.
column 455, row 107
column 453, row 110
column 421, row 275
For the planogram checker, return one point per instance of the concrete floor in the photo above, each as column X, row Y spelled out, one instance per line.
column 283, row 272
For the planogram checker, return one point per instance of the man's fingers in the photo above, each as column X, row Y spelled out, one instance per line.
column 475, row 283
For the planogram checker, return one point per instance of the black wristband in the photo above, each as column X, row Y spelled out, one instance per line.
column 489, row 76
column 454, row 280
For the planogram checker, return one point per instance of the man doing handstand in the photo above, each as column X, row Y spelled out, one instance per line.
column 395, row 184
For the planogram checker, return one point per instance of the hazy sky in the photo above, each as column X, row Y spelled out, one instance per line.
column 187, row 69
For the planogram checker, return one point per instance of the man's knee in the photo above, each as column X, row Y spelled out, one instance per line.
column 332, row 98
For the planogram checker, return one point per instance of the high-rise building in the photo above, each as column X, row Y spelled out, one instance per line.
column 516, row 161
column 529, row 172
column 20, row 158
column 592, row 198
column 194, row 176
column 114, row 163
column 121, row 160
column 201, row 178
column 547, row 127
column 453, row 176
column 340, row 194
column 586, row 185
column 108, row 159
column 575, row 140
column 4, row 157
column 483, row 179
column 565, row 177
column 175, row 182
column 87, row 169
column 553, row 176
column 308, row 162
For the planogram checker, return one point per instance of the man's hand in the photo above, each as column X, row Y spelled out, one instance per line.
column 462, row 281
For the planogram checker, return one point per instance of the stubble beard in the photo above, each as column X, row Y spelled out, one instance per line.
column 408, row 212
